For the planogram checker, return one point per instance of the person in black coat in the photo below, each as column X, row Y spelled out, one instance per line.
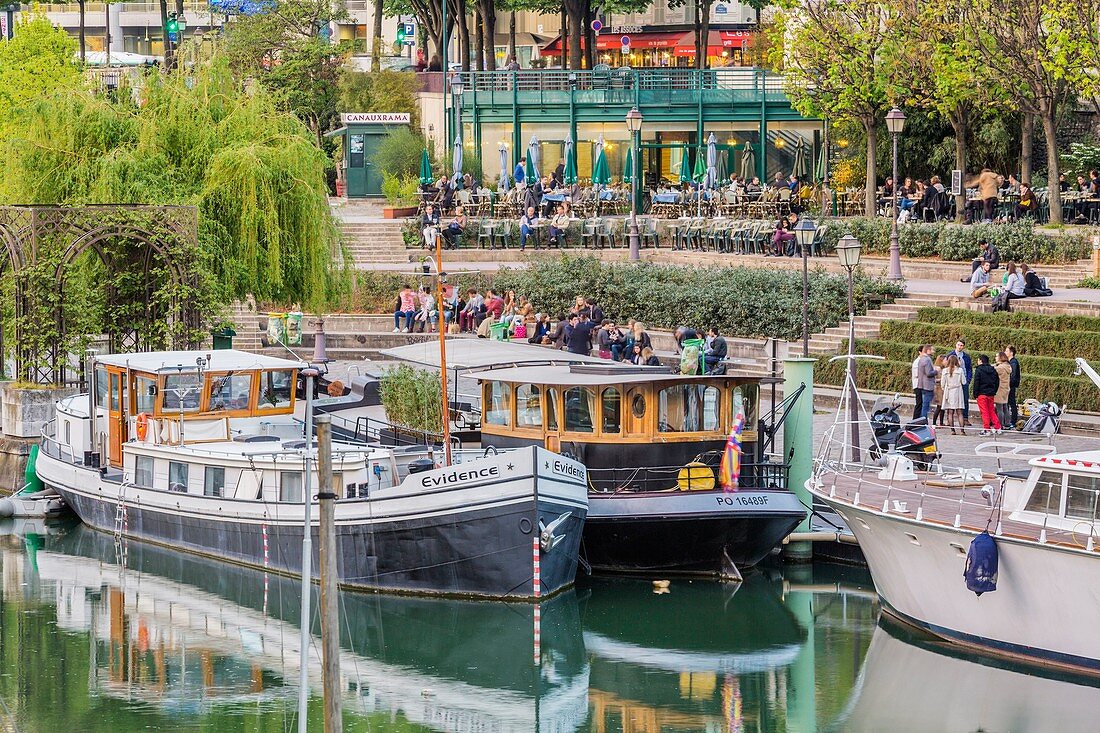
column 1013, row 385
column 986, row 381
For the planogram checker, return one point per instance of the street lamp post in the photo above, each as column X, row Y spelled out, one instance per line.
column 804, row 232
column 634, row 125
column 848, row 250
column 895, row 123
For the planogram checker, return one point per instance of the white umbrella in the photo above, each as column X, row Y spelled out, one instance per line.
column 534, row 149
column 456, row 162
column 712, row 162
column 504, row 165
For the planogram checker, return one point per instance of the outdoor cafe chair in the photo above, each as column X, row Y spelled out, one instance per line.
column 714, row 234
column 648, row 229
column 485, row 233
column 694, row 234
column 590, row 233
column 610, row 231
column 503, row 232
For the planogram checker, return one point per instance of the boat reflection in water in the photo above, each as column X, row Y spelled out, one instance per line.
column 912, row 683
column 173, row 639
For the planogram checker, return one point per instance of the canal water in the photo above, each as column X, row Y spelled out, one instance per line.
column 99, row 636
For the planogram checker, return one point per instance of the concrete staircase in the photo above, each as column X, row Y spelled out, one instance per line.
column 244, row 318
column 374, row 241
column 867, row 326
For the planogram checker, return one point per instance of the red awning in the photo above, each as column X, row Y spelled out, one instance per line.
column 717, row 42
column 610, row 42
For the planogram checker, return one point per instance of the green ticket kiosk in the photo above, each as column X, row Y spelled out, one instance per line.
column 360, row 135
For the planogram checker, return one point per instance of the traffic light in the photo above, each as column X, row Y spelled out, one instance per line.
column 401, row 34
column 172, row 27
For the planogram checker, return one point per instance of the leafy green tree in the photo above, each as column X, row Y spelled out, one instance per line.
column 384, row 91
column 36, row 61
column 836, row 58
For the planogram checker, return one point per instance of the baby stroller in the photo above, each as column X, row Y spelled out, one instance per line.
column 1044, row 417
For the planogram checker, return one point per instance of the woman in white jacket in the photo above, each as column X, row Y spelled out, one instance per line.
column 951, row 379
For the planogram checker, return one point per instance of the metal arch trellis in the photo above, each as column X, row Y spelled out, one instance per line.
column 167, row 232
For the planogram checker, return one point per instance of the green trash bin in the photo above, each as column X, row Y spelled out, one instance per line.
column 700, row 344
column 223, row 338
column 498, row 332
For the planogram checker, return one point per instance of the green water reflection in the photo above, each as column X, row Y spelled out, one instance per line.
column 99, row 637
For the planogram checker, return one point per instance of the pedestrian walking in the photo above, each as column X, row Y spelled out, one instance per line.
column 986, row 381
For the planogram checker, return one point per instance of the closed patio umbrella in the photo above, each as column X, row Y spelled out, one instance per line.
column 533, row 161
column 748, row 162
column 425, row 169
column 601, row 176
column 819, row 173
column 570, row 175
column 712, row 162
column 456, row 162
column 628, row 168
column 685, row 166
column 502, row 185
column 800, row 167
column 700, row 173
column 597, row 150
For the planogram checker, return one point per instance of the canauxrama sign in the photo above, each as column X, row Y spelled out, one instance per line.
column 375, row 118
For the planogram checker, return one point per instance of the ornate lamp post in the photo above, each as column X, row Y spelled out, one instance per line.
column 895, row 123
column 804, row 232
column 634, row 125
column 848, row 250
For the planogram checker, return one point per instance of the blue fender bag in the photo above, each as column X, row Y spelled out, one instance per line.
column 981, row 564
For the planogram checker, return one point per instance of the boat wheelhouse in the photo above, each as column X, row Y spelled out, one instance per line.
column 203, row 453
column 652, row 443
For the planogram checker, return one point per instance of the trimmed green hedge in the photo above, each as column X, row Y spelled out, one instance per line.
column 1064, row 344
column 1017, row 242
column 740, row 301
column 1044, row 366
column 894, row 376
column 1015, row 319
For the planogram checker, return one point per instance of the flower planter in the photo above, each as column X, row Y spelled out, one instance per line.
column 24, row 412
column 398, row 212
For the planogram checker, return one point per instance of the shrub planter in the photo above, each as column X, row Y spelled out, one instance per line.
column 24, row 411
column 398, row 212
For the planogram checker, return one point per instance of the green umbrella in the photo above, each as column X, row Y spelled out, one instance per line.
column 425, row 169
column 570, row 176
column 530, row 173
column 700, row 172
column 601, row 174
column 685, row 166
column 628, row 169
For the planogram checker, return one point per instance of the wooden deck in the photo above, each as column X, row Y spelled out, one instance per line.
column 964, row 508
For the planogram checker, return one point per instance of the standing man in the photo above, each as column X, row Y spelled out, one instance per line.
column 1013, row 384
column 968, row 374
column 578, row 335
column 926, row 379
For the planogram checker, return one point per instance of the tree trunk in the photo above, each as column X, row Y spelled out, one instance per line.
column 704, row 35
column 589, row 35
column 1050, row 132
column 871, row 189
column 564, row 37
column 463, row 35
column 80, row 32
column 169, row 49
column 376, row 38
column 959, row 125
column 478, row 62
column 697, row 28
column 489, row 18
column 512, row 37
column 1027, row 137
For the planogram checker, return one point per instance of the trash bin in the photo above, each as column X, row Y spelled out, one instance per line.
column 700, row 345
column 294, row 328
column 498, row 331
column 223, row 338
column 276, row 328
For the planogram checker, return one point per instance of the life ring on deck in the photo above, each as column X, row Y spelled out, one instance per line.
column 142, row 426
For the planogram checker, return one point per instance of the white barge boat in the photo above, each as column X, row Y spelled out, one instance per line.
column 200, row 452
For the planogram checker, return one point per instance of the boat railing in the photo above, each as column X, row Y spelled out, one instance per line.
column 700, row 475
column 52, row 447
column 380, row 432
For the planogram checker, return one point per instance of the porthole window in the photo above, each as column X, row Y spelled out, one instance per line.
column 637, row 406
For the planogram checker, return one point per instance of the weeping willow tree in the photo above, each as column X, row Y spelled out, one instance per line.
column 196, row 137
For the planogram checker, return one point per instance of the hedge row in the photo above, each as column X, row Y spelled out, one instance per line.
column 1065, row 344
column 740, row 301
column 1015, row 319
column 1044, row 366
column 894, row 376
column 1017, row 242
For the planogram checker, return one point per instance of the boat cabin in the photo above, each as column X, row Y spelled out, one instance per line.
column 177, row 397
column 1061, row 491
column 617, row 420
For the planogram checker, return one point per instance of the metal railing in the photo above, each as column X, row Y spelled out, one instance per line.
column 703, row 475
column 750, row 79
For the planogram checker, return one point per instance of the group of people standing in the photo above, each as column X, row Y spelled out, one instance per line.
column 942, row 387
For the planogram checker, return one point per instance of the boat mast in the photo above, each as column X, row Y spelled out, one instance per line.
column 307, row 559
column 442, row 287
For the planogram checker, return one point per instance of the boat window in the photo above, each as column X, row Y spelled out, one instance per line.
column 115, row 381
column 101, row 386
column 580, row 403
column 230, row 391
column 145, row 394
column 183, row 388
column 745, row 399
column 1047, row 493
column 499, row 404
column 143, row 471
column 612, row 409
column 276, row 389
column 177, row 476
column 552, row 408
column 214, row 482
column 290, row 486
column 528, row 406
column 1081, row 496
column 687, row 408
